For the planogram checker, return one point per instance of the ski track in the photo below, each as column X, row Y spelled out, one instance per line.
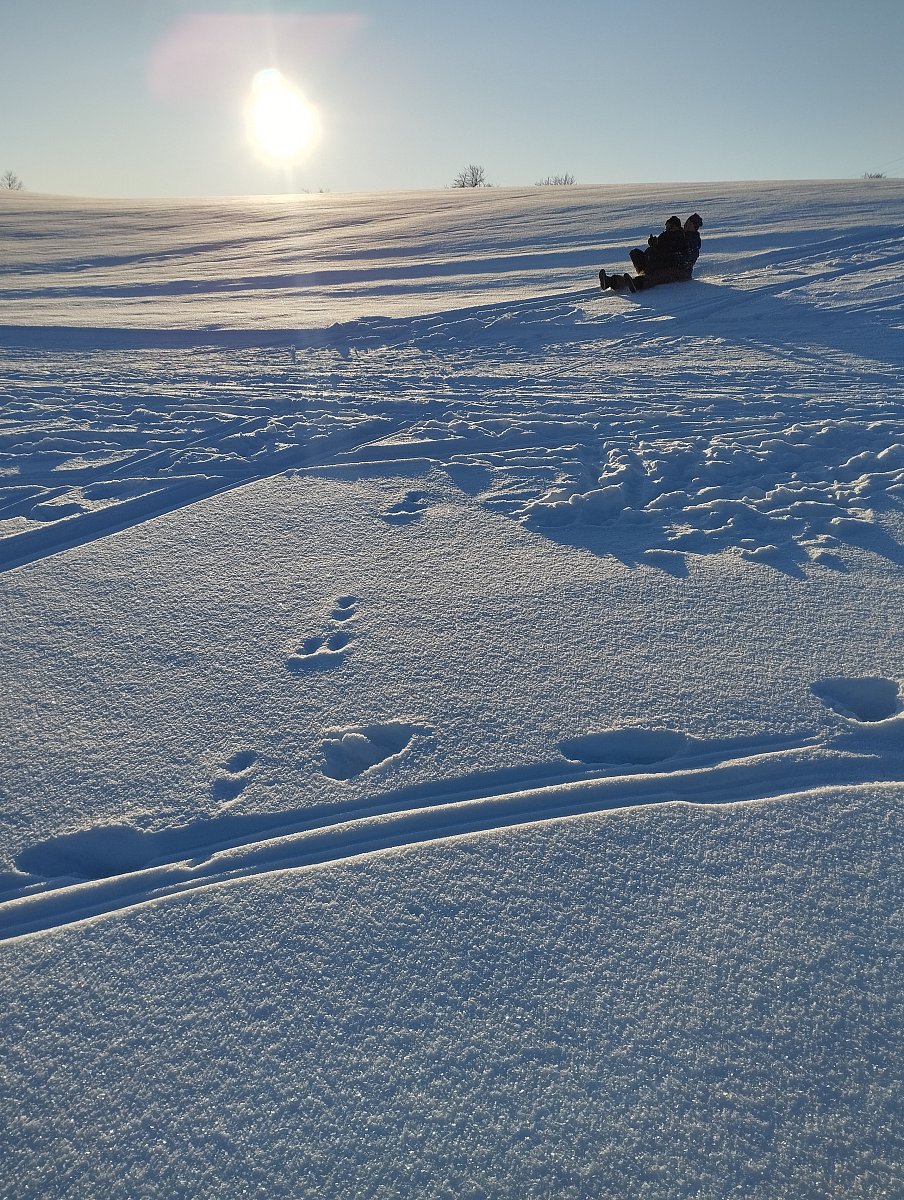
column 98, row 872
column 556, row 448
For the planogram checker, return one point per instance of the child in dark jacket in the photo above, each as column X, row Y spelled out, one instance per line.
column 665, row 251
column 668, row 251
column 692, row 227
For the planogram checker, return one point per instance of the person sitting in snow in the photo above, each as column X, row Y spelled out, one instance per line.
column 692, row 227
column 665, row 251
column 669, row 258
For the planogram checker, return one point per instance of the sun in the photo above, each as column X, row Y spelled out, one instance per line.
column 282, row 123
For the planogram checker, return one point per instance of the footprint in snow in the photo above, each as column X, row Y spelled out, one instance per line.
column 320, row 653
column 324, row 651
column 234, row 776
column 633, row 747
column 351, row 750
column 344, row 609
column 869, row 699
column 407, row 510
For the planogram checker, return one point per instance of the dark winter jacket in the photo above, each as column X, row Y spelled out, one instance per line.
column 668, row 251
column 693, row 246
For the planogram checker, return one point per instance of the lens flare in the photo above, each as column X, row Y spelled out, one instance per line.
column 282, row 123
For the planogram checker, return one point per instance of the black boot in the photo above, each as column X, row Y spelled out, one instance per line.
column 604, row 280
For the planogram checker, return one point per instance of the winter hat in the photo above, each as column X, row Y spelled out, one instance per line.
column 673, row 223
column 694, row 221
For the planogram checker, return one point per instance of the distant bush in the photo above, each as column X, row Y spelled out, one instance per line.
column 874, row 175
column 471, row 177
column 11, row 182
column 556, row 181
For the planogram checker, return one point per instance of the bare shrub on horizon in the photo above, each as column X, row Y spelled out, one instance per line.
column 11, row 182
column 472, row 176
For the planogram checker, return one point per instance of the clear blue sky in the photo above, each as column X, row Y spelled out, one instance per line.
column 147, row 97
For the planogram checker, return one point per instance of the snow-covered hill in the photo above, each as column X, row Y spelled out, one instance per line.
column 455, row 725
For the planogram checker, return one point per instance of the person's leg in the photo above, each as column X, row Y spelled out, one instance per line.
column 666, row 275
column 618, row 283
column 639, row 260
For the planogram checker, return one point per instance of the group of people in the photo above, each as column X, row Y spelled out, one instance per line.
column 669, row 257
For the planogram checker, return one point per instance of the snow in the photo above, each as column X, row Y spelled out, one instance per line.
column 455, row 737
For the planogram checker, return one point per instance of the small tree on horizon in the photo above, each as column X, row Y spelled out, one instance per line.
column 472, row 177
column 874, row 175
column 11, row 182
column 556, row 180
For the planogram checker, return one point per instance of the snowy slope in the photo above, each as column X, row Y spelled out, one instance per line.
column 456, row 726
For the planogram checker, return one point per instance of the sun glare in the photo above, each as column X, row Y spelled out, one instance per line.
column 283, row 124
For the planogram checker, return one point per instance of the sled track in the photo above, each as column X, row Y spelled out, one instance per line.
column 17, row 550
column 202, row 856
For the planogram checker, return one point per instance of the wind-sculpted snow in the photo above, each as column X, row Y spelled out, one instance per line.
column 757, row 409
column 788, row 494
column 454, row 720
